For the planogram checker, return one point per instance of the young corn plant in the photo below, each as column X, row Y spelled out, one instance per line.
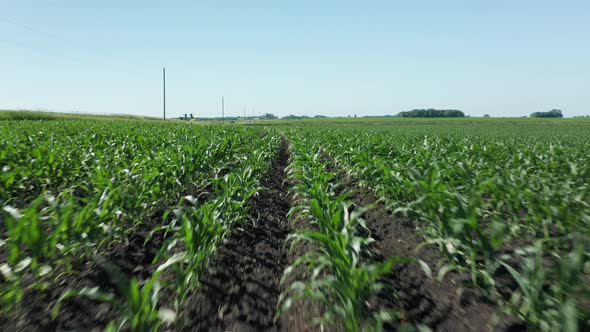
column 475, row 192
column 198, row 228
column 338, row 279
column 106, row 179
column 548, row 297
column 30, row 246
column 138, row 303
column 27, row 238
column 197, row 231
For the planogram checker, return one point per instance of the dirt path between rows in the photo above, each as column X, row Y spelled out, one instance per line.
column 239, row 292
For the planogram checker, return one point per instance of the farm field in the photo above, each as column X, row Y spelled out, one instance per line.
column 328, row 224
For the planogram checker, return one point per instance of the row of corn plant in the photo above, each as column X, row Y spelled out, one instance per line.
column 194, row 235
column 490, row 199
column 112, row 178
column 338, row 278
column 199, row 228
column 53, row 229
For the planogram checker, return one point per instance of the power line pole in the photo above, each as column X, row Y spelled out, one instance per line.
column 164, row 91
column 222, row 108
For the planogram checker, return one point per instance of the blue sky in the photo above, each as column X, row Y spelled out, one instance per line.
column 505, row 58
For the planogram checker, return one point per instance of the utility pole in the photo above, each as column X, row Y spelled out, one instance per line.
column 244, row 111
column 222, row 108
column 164, row 92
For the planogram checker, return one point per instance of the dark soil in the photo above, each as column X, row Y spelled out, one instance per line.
column 447, row 305
column 240, row 290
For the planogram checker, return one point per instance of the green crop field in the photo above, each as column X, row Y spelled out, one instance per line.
column 344, row 224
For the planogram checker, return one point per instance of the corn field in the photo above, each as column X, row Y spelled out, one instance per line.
column 134, row 225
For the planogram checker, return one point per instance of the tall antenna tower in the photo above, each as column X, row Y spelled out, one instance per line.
column 222, row 108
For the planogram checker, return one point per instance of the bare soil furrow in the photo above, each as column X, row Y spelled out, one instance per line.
column 240, row 290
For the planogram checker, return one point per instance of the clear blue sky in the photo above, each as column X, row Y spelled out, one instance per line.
column 505, row 58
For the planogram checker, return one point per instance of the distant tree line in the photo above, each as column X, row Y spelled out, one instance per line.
column 554, row 113
column 295, row 117
column 431, row 113
column 299, row 117
column 269, row 116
